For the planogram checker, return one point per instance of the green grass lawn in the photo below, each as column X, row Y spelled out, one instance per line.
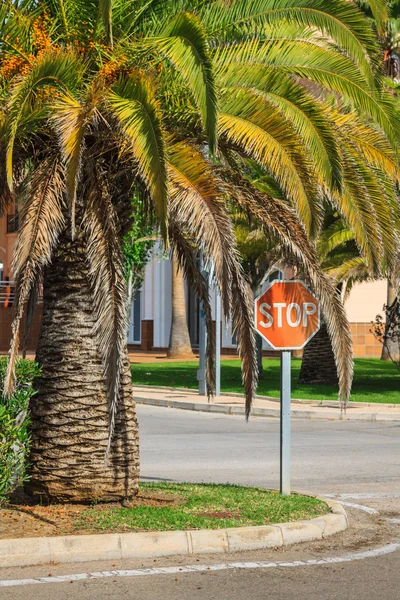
column 165, row 507
column 374, row 381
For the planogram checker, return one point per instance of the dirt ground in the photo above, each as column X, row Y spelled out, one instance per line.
column 26, row 519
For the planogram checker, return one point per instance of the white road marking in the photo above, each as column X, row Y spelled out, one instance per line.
column 364, row 496
column 367, row 509
column 351, row 556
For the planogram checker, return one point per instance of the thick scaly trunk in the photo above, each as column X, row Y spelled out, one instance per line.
column 318, row 364
column 179, row 345
column 69, row 412
column 390, row 350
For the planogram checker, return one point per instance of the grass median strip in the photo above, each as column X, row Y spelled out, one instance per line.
column 170, row 507
column 374, row 380
column 162, row 507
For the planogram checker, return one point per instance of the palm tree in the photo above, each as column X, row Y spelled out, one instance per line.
column 342, row 261
column 101, row 101
column 179, row 346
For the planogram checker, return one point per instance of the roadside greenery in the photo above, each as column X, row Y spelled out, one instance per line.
column 103, row 102
column 14, row 427
column 201, row 506
column 374, row 380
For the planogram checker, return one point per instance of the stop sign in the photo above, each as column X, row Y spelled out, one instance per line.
column 287, row 315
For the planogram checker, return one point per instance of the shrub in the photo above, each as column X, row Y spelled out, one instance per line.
column 14, row 427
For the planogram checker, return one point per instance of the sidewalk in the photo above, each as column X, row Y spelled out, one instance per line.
column 233, row 404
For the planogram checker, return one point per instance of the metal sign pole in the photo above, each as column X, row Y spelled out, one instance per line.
column 217, row 342
column 201, row 373
column 285, row 423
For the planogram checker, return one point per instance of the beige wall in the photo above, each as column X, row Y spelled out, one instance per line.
column 366, row 300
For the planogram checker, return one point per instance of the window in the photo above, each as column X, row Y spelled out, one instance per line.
column 135, row 327
column 12, row 223
column 275, row 276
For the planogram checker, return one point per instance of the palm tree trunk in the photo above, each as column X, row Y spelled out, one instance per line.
column 259, row 350
column 389, row 352
column 179, row 345
column 69, row 413
column 318, row 364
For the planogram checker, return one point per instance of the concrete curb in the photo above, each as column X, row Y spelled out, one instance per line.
column 324, row 403
column 83, row 548
column 258, row 411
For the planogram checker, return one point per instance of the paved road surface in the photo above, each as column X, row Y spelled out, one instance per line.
column 327, row 456
column 359, row 460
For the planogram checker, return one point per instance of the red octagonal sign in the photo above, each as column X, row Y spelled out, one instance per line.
column 287, row 315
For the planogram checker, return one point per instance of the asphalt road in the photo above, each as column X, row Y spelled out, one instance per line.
column 327, row 456
column 357, row 462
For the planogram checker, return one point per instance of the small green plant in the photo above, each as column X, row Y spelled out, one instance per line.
column 14, row 427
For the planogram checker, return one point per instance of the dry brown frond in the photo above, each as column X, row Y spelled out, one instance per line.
column 196, row 206
column 185, row 252
column 282, row 222
column 109, row 286
column 243, row 319
column 42, row 221
column 195, row 201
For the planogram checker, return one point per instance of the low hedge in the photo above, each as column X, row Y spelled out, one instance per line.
column 14, row 426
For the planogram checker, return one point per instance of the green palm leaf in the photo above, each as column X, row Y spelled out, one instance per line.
column 333, row 237
column 305, row 114
column 184, row 42
column 138, row 112
column 60, row 70
column 246, row 124
column 336, row 19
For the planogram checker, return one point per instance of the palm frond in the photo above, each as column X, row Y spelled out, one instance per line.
column 243, row 326
column 338, row 20
column 33, row 298
column 280, row 221
column 185, row 251
column 42, row 222
column 61, row 70
column 184, row 43
column 305, row 114
column 332, row 237
column 246, row 124
column 106, row 273
column 137, row 110
column 196, row 206
column 379, row 10
column 71, row 119
column 195, row 201
column 351, row 269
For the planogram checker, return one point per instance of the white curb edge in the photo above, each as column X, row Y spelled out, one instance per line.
column 82, row 548
column 140, row 389
column 256, row 411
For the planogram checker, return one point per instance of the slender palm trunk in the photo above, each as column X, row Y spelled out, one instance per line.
column 259, row 350
column 179, row 346
column 318, row 364
column 389, row 349
column 69, row 412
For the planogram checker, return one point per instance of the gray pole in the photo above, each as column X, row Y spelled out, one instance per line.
column 201, row 373
column 285, row 423
column 217, row 342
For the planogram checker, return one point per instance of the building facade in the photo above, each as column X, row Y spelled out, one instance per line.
column 151, row 310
